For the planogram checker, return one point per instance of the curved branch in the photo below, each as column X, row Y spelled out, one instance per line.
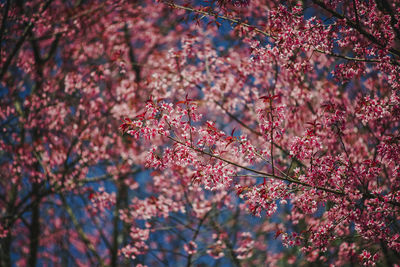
column 356, row 27
column 258, row 30
column 261, row 173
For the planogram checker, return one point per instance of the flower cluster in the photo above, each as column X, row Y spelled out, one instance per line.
column 246, row 244
column 101, row 200
column 139, row 237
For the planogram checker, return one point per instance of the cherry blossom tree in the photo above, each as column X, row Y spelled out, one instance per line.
column 253, row 133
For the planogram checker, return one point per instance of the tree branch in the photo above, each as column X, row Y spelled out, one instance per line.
column 262, row 174
column 357, row 27
column 4, row 22
column 80, row 231
column 258, row 30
